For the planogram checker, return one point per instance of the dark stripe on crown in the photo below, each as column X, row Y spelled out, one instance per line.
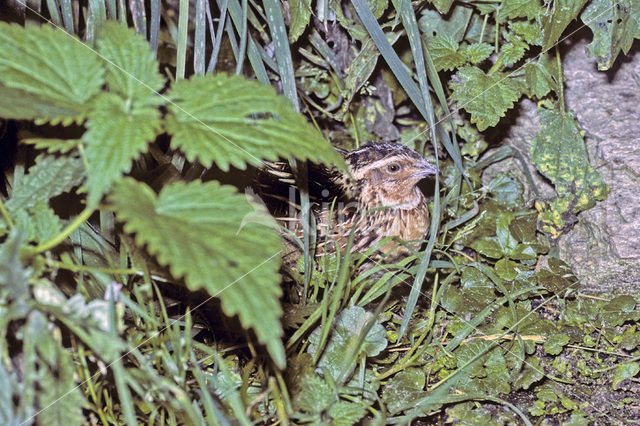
column 373, row 152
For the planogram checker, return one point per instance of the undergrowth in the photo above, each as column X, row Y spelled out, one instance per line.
column 139, row 284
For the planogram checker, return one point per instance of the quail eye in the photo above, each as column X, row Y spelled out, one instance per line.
column 393, row 168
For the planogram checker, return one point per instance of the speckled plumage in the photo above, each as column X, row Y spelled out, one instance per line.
column 379, row 197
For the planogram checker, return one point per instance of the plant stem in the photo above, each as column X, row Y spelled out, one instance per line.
column 84, row 268
column 75, row 224
column 560, row 80
column 5, row 213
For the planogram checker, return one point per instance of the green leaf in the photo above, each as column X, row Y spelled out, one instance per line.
column 404, row 389
column 614, row 25
column 54, row 70
column 50, row 176
column 488, row 246
column 529, row 9
column 62, row 146
column 555, row 22
column 541, row 76
column 513, row 51
column 40, row 223
column 132, row 70
column 443, row 6
column 59, row 399
column 559, row 153
column 8, row 385
column 127, row 119
column 379, row 6
column 300, row 12
column 531, row 32
column 445, row 54
column 624, row 371
column 507, row 269
column 619, row 310
column 348, row 328
column 345, row 413
column 555, row 343
column 506, row 241
column 485, row 96
column 21, row 105
column 14, row 277
column 507, row 190
column 454, row 24
column 197, row 229
column 316, row 395
column 558, row 278
column 531, row 373
column 478, row 52
column 232, row 121
column 118, row 131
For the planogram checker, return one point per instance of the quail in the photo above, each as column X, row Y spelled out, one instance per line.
column 378, row 197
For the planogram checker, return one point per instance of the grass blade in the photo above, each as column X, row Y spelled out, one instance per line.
column 254, row 56
column 154, row 28
column 199, row 40
column 54, row 12
column 183, row 26
column 67, row 16
column 139, row 16
column 283, row 53
column 217, row 39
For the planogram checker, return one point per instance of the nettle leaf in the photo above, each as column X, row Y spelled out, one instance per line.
column 50, row 176
column 454, row 24
column 445, row 54
column 316, row 395
column 513, row 51
column 300, row 12
column 40, row 223
column 14, row 276
column 198, row 230
column 345, row 413
column 125, row 120
column 540, row 76
column 614, row 25
column 132, row 70
column 529, row 9
column 559, row 153
column 234, row 122
column 118, row 131
column 555, row 22
column 379, row 6
column 531, row 32
column 52, row 146
column 22, row 105
column 485, row 96
column 478, row 52
column 55, row 71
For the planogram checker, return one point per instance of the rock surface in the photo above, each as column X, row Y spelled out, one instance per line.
column 604, row 246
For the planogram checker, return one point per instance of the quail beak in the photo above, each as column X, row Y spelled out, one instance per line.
column 424, row 169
